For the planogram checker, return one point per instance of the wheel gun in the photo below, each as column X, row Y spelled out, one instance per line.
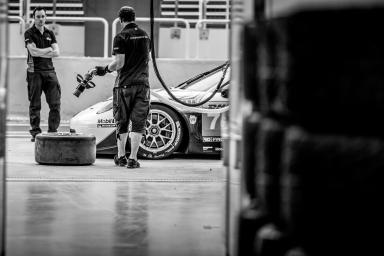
column 84, row 82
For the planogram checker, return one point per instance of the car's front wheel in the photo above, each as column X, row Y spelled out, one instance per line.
column 163, row 133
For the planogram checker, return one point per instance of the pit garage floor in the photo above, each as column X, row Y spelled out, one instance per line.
column 167, row 207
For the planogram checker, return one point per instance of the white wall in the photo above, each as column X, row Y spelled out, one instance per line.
column 70, row 40
column 216, row 47
column 16, row 40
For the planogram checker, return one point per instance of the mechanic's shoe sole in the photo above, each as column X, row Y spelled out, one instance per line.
column 132, row 163
column 120, row 161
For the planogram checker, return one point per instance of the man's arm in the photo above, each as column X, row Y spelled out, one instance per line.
column 54, row 53
column 38, row 52
column 117, row 63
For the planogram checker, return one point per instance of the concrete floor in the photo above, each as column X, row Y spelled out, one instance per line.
column 167, row 207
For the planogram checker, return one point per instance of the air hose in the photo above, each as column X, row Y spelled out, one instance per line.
column 225, row 67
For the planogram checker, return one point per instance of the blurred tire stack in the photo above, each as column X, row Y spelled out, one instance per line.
column 314, row 167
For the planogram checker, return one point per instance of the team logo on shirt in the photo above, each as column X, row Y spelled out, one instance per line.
column 138, row 37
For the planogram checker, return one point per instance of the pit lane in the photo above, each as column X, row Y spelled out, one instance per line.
column 108, row 210
column 21, row 166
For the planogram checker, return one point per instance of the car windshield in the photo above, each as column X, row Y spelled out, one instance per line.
column 208, row 82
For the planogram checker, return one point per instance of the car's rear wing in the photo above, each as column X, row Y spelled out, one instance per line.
column 202, row 75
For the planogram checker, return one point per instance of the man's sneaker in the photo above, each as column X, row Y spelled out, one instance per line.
column 120, row 161
column 132, row 163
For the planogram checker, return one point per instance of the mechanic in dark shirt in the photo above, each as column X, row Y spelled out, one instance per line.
column 41, row 76
column 131, row 94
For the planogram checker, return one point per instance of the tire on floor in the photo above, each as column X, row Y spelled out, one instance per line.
column 65, row 149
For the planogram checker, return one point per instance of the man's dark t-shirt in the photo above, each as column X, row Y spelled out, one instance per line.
column 33, row 35
column 135, row 44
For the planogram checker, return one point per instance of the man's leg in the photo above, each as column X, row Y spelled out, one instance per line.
column 121, row 142
column 138, row 117
column 135, row 143
column 120, row 159
column 34, row 96
column 120, row 116
column 52, row 94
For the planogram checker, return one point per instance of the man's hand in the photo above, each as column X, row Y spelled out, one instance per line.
column 102, row 70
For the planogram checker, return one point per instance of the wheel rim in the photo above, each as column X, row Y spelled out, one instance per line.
column 160, row 131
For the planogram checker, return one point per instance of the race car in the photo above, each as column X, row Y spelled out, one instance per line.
column 171, row 127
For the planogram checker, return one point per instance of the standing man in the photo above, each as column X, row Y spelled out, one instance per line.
column 41, row 76
column 131, row 94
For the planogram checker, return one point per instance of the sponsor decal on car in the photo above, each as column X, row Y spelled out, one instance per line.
column 192, row 119
column 106, row 123
column 212, row 139
column 178, row 128
column 215, row 106
column 170, row 148
column 205, row 149
column 211, row 124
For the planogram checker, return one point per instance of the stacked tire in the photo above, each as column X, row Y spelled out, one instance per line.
column 318, row 176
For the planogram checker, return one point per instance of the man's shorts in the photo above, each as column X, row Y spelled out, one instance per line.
column 131, row 103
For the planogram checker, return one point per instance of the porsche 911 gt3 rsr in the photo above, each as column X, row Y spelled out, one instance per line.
column 170, row 127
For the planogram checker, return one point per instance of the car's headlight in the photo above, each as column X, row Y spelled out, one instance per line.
column 105, row 108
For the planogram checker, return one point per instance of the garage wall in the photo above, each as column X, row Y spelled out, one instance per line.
column 173, row 72
column 99, row 8
column 213, row 46
column 68, row 45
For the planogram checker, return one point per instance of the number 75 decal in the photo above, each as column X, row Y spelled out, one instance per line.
column 211, row 124
column 214, row 117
